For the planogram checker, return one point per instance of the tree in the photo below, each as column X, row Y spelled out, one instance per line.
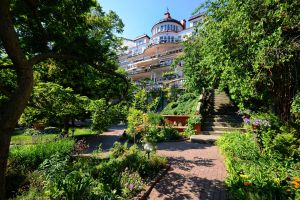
column 52, row 102
column 33, row 31
column 252, row 48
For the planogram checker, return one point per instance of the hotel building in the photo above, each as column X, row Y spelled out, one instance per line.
column 150, row 58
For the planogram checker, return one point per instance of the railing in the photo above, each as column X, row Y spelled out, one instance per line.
column 148, row 69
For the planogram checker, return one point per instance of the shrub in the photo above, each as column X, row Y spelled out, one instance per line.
column 155, row 119
column 29, row 157
column 254, row 175
column 131, row 183
column 31, row 131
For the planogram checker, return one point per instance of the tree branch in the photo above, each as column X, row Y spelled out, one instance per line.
column 45, row 56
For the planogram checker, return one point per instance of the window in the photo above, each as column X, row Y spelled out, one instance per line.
column 165, row 27
column 161, row 38
column 161, row 28
column 168, row 27
column 176, row 28
column 172, row 39
column 165, row 38
column 169, row 38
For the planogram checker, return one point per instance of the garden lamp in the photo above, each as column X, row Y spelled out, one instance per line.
column 148, row 147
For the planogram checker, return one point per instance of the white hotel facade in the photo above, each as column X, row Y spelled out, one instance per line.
column 149, row 58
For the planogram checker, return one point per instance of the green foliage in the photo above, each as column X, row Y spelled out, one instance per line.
column 149, row 127
column 134, row 119
column 155, row 119
column 142, row 101
column 122, row 176
column 31, row 131
column 250, row 49
column 29, row 157
column 256, row 175
column 185, row 105
column 194, row 119
column 281, row 144
column 51, row 101
column 103, row 114
column 295, row 109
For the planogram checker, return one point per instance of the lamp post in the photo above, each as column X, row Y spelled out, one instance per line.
column 148, row 147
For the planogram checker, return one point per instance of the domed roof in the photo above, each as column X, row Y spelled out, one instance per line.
column 167, row 18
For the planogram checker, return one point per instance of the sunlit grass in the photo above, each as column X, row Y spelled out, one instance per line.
column 19, row 139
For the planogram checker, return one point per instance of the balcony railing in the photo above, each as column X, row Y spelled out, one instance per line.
column 148, row 69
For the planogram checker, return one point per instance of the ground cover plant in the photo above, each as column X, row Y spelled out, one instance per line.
column 273, row 173
column 122, row 176
column 185, row 105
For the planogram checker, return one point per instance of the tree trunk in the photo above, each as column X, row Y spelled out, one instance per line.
column 66, row 126
column 13, row 108
column 4, row 149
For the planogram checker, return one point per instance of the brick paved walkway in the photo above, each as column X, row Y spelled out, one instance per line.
column 197, row 172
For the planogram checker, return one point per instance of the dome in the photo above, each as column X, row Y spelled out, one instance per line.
column 167, row 18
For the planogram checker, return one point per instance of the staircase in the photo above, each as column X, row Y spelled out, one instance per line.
column 222, row 117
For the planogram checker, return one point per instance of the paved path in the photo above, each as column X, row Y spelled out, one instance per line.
column 197, row 172
column 106, row 139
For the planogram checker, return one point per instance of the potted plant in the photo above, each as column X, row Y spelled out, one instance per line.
column 195, row 122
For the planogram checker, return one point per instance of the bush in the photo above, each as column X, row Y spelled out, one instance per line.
column 31, row 131
column 255, row 175
column 155, row 119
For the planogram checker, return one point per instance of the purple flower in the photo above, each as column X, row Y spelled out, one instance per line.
column 131, row 186
column 246, row 120
column 256, row 122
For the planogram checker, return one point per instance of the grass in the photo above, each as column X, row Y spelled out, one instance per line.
column 18, row 137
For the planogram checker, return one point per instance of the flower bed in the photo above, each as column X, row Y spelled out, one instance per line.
column 258, row 175
column 123, row 175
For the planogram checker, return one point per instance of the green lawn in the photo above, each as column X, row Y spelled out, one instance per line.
column 19, row 138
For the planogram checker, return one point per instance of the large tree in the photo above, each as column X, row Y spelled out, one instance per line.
column 252, row 48
column 69, row 32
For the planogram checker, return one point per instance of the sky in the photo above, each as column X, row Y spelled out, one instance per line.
column 140, row 15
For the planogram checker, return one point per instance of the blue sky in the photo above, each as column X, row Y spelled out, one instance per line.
column 140, row 15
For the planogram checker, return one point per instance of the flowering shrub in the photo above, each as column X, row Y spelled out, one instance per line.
column 257, row 122
column 131, row 183
column 256, row 175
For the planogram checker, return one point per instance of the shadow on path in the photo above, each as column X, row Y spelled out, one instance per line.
column 197, row 172
column 106, row 139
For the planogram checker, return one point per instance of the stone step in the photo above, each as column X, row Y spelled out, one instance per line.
column 224, row 129
column 222, row 120
column 204, row 138
column 223, row 124
column 212, row 132
column 222, row 113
